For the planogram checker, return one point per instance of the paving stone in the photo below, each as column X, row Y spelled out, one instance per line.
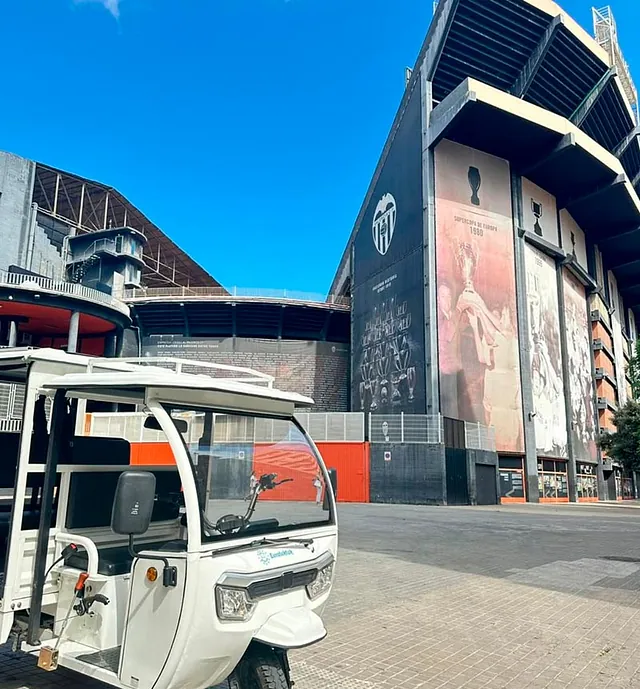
column 463, row 598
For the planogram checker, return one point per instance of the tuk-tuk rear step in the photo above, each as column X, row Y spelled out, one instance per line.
column 106, row 660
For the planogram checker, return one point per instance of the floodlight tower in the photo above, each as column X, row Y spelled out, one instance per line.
column 605, row 31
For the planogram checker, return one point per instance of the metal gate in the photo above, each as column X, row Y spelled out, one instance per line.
column 457, row 484
column 486, row 486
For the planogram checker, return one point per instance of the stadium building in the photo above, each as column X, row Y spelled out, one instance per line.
column 494, row 268
column 478, row 329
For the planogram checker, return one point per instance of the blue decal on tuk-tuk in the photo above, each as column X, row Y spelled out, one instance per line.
column 266, row 557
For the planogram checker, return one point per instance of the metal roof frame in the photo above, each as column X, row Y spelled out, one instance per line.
column 90, row 206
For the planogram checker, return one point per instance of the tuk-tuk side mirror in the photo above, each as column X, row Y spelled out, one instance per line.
column 333, row 479
column 133, row 503
column 132, row 512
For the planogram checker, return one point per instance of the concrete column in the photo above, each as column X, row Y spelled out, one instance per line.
column 74, row 325
column 110, row 343
column 528, row 408
column 119, row 341
column 432, row 376
column 13, row 333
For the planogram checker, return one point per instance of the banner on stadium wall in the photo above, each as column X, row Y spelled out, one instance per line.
column 578, row 334
column 477, row 318
column 388, row 337
column 388, row 344
column 546, row 355
column 574, row 242
column 539, row 212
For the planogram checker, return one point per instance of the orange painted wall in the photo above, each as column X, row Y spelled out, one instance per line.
column 605, row 389
column 351, row 461
column 151, row 454
column 606, row 420
column 287, row 460
column 600, row 333
column 603, row 361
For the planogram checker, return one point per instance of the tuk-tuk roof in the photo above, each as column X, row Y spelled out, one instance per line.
column 25, row 355
column 181, row 389
column 135, row 382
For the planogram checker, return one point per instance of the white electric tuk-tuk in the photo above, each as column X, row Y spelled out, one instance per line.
column 188, row 542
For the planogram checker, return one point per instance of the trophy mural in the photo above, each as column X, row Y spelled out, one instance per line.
column 411, row 381
column 536, row 209
column 401, row 357
column 387, row 378
column 383, row 362
column 475, row 180
column 365, row 383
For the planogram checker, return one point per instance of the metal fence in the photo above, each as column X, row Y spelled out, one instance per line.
column 42, row 284
column 334, row 427
column 235, row 292
column 322, row 427
column 479, row 437
column 422, row 429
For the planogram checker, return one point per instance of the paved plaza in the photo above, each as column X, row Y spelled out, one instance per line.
column 441, row 598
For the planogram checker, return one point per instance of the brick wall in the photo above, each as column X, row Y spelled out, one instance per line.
column 317, row 369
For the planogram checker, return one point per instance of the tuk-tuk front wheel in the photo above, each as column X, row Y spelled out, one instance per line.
column 262, row 668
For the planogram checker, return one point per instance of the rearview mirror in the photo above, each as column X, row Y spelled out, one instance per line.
column 152, row 424
column 133, row 503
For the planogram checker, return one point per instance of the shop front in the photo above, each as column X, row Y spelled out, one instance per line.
column 553, row 480
column 512, row 483
column 586, row 482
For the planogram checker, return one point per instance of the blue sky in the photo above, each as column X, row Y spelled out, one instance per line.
column 248, row 130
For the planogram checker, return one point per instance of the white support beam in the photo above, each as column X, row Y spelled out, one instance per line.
column 55, row 196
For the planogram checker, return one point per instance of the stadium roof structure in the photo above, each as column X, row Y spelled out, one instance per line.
column 250, row 317
column 91, row 206
column 521, row 79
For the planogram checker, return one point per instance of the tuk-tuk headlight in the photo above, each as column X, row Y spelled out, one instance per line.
column 322, row 583
column 234, row 604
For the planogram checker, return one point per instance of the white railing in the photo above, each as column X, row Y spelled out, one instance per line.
column 479, row 437
column 232, row 292
column 72, row 289
column 10, row 425
column 236, row 374
column 414, row 429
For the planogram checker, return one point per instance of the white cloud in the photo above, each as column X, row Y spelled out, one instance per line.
column 112, row 6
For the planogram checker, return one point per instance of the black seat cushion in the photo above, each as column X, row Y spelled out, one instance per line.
column 111, row 561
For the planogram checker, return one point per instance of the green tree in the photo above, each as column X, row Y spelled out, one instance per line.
column 624, row 444
column 633, row 371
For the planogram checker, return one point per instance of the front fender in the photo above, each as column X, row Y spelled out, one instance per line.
column 293, row 628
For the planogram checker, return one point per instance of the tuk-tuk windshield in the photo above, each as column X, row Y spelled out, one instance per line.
column 255, row 475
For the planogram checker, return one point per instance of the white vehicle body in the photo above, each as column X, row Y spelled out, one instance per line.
column 152, row 635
